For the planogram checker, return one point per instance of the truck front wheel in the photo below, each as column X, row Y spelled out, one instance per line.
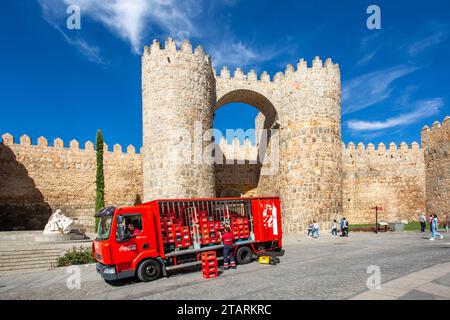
column 244, row 255
column 149, row 270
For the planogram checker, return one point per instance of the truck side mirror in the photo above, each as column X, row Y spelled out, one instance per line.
column 120, row 228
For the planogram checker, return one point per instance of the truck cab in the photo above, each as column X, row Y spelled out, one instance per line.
column 117, row 250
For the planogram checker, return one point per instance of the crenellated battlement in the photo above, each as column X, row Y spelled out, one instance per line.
column 381, row 150
column 170, row 47
column 437, row 133
column 290, row 72
column 237, row 151
column 58, row 143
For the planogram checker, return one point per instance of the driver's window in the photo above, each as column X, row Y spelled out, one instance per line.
column 131, row 224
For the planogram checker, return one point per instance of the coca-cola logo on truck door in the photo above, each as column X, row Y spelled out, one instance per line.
column 270, row 216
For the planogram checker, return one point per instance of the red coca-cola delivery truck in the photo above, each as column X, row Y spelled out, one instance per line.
column 153, row 238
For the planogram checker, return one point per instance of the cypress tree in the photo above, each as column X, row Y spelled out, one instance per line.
column 100, row 177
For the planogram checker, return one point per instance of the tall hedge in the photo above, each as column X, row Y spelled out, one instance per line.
column 100, row 177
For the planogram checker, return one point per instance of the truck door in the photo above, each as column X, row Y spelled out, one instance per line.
column 128, row 246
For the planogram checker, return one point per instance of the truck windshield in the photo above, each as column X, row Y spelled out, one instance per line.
column 104, row 227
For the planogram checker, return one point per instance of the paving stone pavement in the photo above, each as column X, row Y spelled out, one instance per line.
column 326, row 268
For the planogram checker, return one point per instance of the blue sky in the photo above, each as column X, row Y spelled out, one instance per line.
column 56, row 82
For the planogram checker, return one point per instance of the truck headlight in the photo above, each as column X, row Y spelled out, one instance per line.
column 109, row 270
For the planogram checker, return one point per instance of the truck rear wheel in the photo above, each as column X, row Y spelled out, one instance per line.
column 244, row 255
column 149, row 270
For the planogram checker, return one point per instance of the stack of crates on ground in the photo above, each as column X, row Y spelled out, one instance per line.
column 240, row 228
column 209, row 265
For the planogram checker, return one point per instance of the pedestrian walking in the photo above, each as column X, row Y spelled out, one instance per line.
column 316, row 229
column 430, row 221
column 344, row 227
column 310, row 229
column 423, row 222
column 434, row 228
column 334, row 228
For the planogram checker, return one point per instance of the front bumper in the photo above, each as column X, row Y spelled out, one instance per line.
column 107, row 272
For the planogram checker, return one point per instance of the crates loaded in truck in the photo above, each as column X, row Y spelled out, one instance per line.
column 153, row 238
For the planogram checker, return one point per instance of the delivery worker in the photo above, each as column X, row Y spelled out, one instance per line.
column 228, row 259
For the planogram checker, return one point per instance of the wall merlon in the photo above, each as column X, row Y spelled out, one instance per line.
column 74, row 144
column 392, row 147
column 317, row 63
column 199, row 51
column 8, row 139
column 381, row 147
column 42, row 142
column 252, row 76
column 117, row 148
column 58, row 143
column 415, row 146
column 131, row 150
column 371, row 147
column 186, row 46
column 279, row 77
column 238, row 74
column 170, row 45
column 25, row 140
column 225, row 73
column 155, row 47
column 265, row 77
column 446, row 121
column 89, row 146
column 361, row 147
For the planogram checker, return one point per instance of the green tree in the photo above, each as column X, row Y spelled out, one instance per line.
column 100, row 177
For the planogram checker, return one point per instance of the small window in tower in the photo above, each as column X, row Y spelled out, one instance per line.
column 168, row 59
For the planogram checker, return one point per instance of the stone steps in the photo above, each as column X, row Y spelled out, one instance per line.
column 28, row 260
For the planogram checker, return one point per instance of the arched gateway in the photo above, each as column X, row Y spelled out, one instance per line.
column 181, row 92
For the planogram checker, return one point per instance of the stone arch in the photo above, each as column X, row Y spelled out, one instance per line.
column 252, row 98
column 230, row 193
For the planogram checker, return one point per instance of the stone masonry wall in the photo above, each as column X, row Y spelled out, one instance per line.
column 38, row 179
column 239, row 169
column 393, row 179
column 436, row 144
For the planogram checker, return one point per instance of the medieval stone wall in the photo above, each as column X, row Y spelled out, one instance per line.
column 392, row 178
column 38, row 179
column 436, row 144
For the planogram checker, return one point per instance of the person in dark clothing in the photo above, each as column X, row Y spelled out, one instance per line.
column 228, row 259
column 423, row 222
column 344, row 227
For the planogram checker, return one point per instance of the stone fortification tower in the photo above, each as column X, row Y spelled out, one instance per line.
column 310, row 181
column 178, row 90
column 436, row 147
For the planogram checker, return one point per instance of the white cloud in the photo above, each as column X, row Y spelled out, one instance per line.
column 423, row 109
column 423, row 44
column 371, row 88
column 134, row 20
column 130, row 19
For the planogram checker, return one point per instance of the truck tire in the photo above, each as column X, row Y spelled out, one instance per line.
column 149, row 270
column 244, row 255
